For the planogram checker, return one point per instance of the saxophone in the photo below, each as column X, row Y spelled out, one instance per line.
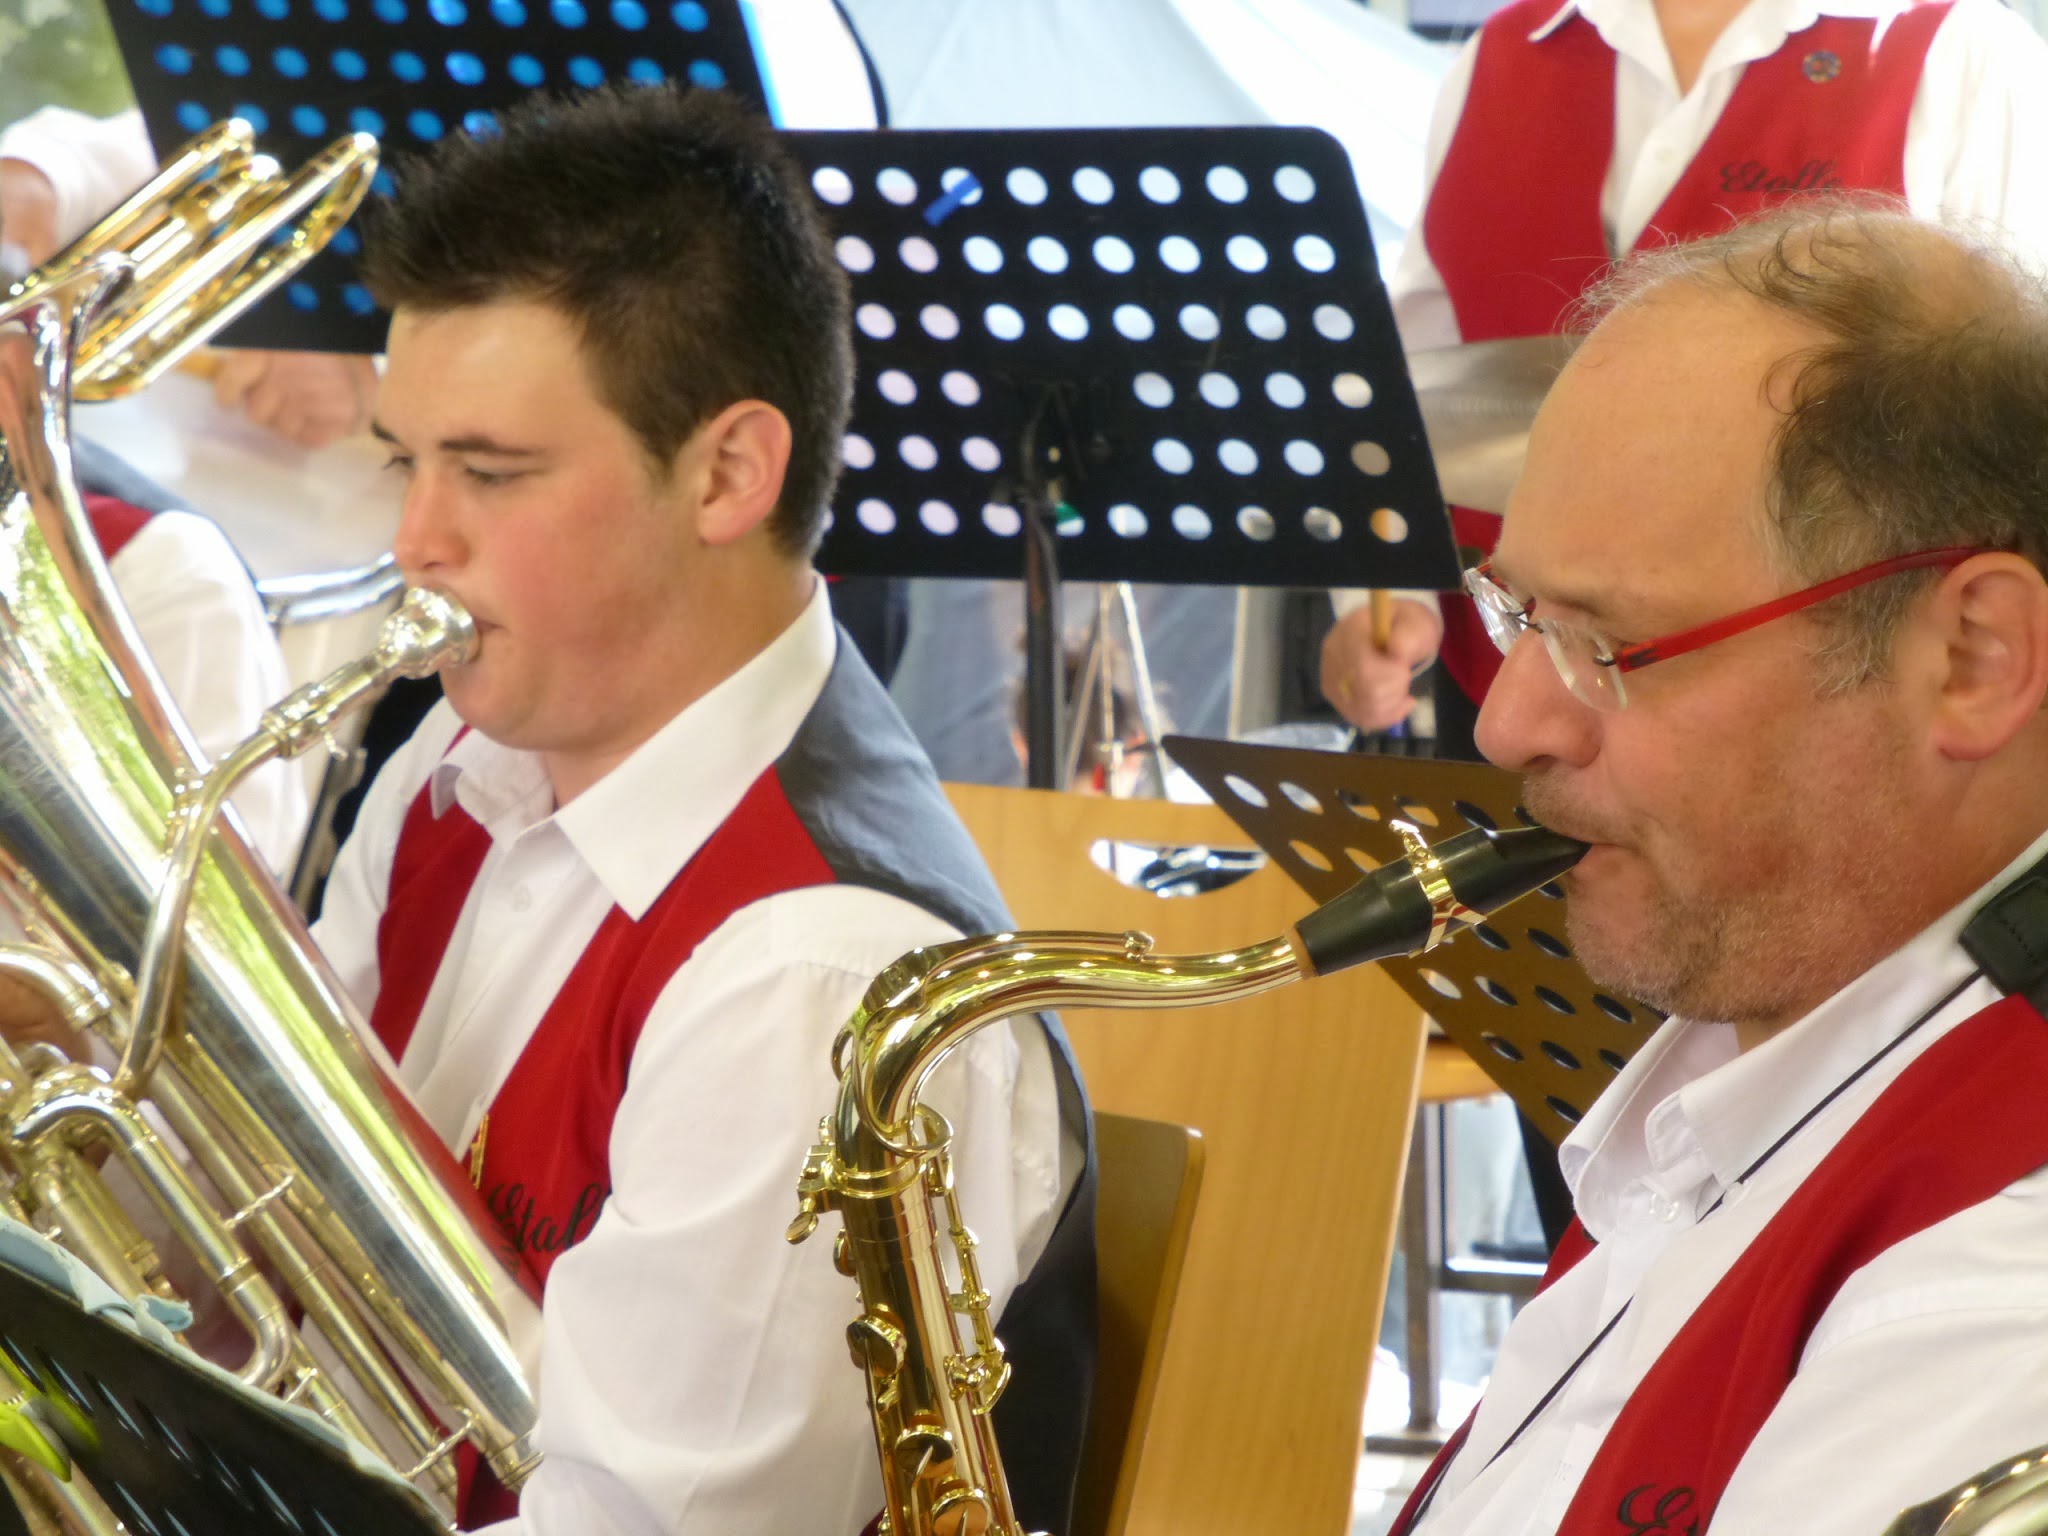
column 882, row 1158
column 2008, row 1498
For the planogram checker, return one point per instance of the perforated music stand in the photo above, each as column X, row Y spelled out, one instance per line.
column 173, row 1450
column 303, row 72
column 1508, row 991
column 1153, row 354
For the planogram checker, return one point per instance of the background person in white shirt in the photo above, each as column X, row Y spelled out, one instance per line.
column 1792, row 820
column 610, row 906
column 1975, row 146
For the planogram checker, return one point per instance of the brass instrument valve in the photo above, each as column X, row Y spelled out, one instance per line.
column 817, row 1187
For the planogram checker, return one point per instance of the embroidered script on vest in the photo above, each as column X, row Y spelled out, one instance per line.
column 1646, row 1512
column 1755, row 176
column 532, row 1231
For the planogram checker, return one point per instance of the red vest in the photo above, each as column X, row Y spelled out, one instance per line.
column 1957, row 1126
column 114, row 522
column 1513, row 221
column 543, row 1166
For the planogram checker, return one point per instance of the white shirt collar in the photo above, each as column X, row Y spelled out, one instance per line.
column 1690, row 1113
column 642, row 822
column 1630, row 28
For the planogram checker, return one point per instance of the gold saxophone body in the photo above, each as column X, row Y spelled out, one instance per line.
column 2008, row 1498
column 152, row 924
column 882, row 1159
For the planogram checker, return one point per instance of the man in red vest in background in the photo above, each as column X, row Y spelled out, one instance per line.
column 1771, row 600
column 1571, row 132
column 609, row 907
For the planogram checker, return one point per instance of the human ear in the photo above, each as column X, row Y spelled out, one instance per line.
column 1990, row 617
column 743, row 454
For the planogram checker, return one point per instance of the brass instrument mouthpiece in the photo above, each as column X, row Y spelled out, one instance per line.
column 426, row 632
column 1412, row 906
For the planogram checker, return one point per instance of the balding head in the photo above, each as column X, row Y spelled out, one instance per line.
column 1913, row 405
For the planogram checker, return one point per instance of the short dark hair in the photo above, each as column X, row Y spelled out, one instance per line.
column 1917, row 419
column 678, row 235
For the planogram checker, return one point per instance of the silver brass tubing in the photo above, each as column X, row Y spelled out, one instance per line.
column 79, row 1093
column 306, row 1275
column 428, row 630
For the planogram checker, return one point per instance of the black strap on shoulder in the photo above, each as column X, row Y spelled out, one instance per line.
column 2009, row 937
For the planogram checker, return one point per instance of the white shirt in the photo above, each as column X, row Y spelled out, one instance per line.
column 198, row 616
column 693, row 1368
column 1930, row 1363
column 1976, row 139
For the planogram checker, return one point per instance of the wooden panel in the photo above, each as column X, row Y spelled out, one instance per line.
column 1305, row 1098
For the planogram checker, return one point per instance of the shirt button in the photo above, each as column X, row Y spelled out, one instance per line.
column 1663, row 1207
column 522, row 898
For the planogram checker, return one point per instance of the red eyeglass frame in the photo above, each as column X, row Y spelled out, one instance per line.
column 1629, row 658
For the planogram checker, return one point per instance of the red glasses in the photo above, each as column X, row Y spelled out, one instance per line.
column 1592, row 668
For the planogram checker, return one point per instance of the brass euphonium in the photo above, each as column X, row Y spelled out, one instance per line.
column 2008, row 1498
column 882, row 1160
column 151, row 922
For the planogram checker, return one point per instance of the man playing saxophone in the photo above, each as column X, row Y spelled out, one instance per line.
column 610, row 905
column 1776, row 629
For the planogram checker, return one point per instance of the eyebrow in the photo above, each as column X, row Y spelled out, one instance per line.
column 476, row 442
column 1597, row 606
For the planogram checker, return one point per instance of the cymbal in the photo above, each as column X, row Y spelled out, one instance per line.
column 1477, row 403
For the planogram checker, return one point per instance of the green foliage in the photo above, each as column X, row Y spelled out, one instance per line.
column 59, row 53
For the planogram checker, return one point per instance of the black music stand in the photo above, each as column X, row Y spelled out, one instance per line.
column 1508, row 991
column 176, row 1451
column 1157, row 354
column 303, row 72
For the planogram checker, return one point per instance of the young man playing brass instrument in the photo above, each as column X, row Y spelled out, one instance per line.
column 1772, row 599
column 610, row 906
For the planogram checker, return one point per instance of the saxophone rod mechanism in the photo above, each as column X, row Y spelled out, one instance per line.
column 428, row 630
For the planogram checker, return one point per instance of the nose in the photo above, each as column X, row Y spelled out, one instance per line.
column 429, row 540
column 1530, row 717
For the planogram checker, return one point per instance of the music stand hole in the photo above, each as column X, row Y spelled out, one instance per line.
column 897, row 185
column 875, row 321
column 1322, row 525
column 1002, row 520
column 856, row 452
column 1287, row 392
column 1415, row 811
column 876, row 516
column 1219, row 389
column 1114, row 254
column 1159, row 184
column 1237, row 456
column 1614, row 1010
column 981, row 454
column 1226, row 184
column 1366, row 862
column 1333, row 322
column 919, row 452
column 1560, row 1055
column 1302, row 799
column 1003, row 322
column 1245, row 253
column 1358, row 805
column 1311, row 855
column 896, row 386
column 1191, row 522
column 1126, row 521
column 1556, row 1002
column 1494, row 991
column 939, row 322
column 1501, row 1046
column 1388, row 526
column 1353, row 390
column 1303, row 457
column 1265, row 322
column 1372, row 459
column 1173, row 456
column 1473, row 815
column 1068, row 322
column 1438, row 982
column 1245, row 790
column 1180, row 253
column 1131, row 322
column 1614, row 1059
column 1315, row 254
column 1199, row 322
column 983, row 254
column 918, row 254
column 1294, row 184
column 1550, row 890
column 1092, row 185
column 854, row 253
column 1562, row 1110
column 1046, row 254
column 939, row 517
column 832, row 185
column 1553, row 947
column 1152, row 389
column 1255, row 523
column 1488, row 935
column 1026, row 186
column 1522, row 815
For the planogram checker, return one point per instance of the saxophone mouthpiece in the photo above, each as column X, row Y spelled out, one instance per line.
column 1412, row 906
